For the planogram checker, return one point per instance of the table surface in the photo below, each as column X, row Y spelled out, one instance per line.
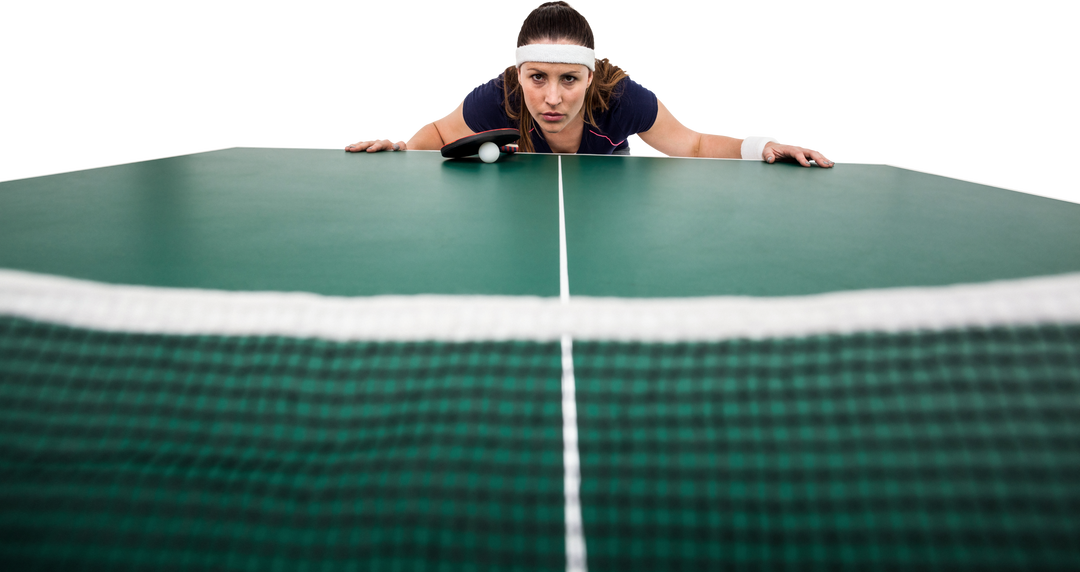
column 949, row 446
column 335, row 223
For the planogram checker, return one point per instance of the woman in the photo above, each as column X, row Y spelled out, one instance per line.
column 563, row 100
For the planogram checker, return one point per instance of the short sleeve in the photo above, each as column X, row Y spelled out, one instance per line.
column 483, row 108
column 633, row 109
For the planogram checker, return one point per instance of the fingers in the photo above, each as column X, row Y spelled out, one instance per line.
column 357, row 147
column 797, row 154
column 819, row 157
column 800, row 156
column 821, row 160
column 376, row 146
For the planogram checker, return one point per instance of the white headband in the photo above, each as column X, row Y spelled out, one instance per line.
column 557, row 54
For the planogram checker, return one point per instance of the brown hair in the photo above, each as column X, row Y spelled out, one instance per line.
column 557, row 21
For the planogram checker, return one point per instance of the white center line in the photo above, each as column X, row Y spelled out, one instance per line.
column 575, row 532
column 564, row 275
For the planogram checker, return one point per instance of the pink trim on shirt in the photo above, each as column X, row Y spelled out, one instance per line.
column 594, row 133
column 608, row 138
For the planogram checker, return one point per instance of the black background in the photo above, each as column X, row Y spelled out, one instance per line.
column 960, row 97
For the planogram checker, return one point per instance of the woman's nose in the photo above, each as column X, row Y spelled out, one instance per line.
column 552, row 97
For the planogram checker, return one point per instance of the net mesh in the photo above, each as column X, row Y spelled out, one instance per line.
column 172, row 452
column 956, row 449
column 948, row 450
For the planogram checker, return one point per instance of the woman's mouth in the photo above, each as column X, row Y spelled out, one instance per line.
column 552, row 117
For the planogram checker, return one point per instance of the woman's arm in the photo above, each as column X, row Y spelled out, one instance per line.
column 672, row 138
column 430, row 137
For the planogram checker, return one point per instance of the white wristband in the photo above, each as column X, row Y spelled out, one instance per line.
column 753, row 147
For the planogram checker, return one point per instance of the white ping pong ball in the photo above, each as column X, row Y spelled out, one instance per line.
column 489, row 152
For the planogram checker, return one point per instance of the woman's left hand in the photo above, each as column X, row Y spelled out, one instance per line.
column 777, row 152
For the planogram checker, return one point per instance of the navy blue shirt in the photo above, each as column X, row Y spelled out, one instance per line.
column 632, row 109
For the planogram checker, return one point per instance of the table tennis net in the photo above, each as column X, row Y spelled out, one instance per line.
column 741, row 433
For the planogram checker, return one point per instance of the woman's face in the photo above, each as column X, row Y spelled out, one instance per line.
column 554, row 93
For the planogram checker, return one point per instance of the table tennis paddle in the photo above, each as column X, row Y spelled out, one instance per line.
column 470, row 144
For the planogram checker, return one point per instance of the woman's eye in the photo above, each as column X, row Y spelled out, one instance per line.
column 537, row 77
column 569, row 79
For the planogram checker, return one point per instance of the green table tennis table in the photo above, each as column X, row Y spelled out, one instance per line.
column 279, row 359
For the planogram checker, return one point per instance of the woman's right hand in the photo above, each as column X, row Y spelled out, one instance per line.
column 375, row 146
